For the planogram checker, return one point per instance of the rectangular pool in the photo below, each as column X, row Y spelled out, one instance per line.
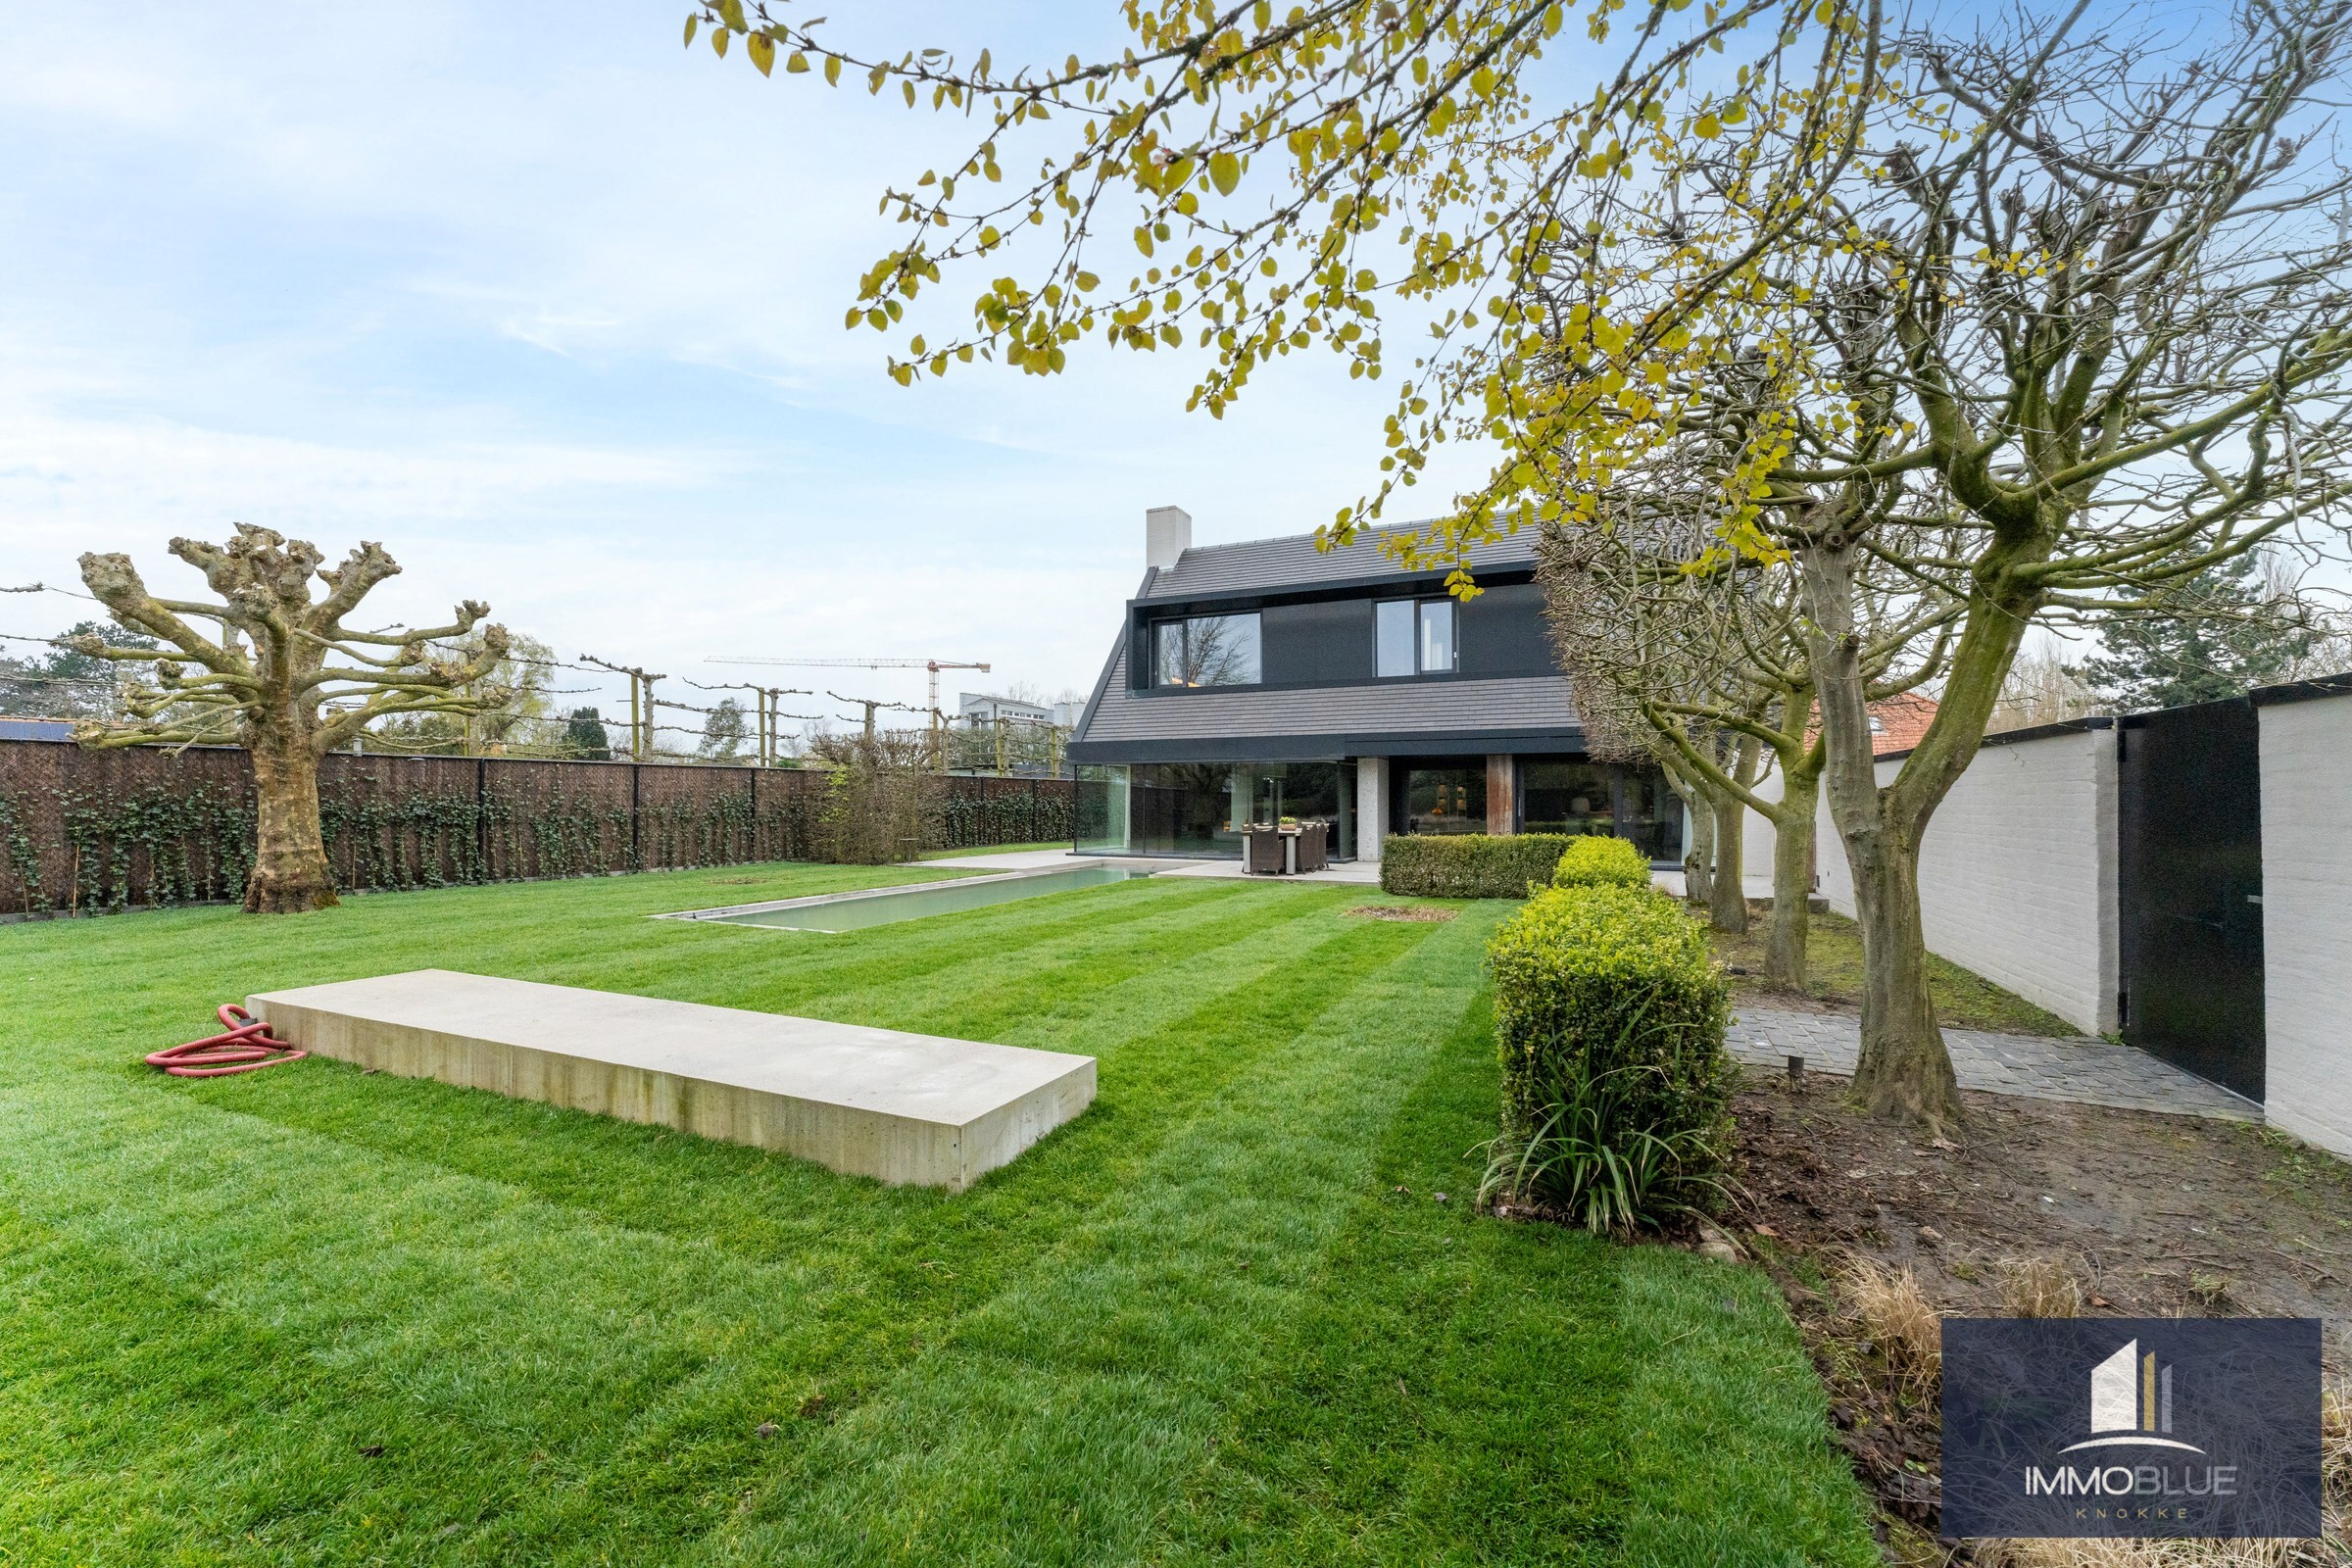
column 854, row 912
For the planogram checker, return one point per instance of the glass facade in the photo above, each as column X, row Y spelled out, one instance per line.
column 1199, row 808
column 1443, row 798
column 1559, row 795
column 1568, row 796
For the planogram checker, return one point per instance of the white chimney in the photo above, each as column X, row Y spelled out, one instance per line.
column 1167, row 534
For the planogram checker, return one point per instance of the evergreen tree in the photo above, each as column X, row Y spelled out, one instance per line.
column 65, row 682
column 584, row 736
column 2210, row 636
column 723, row 730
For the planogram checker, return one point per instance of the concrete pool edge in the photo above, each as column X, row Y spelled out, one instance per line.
column 732, row 913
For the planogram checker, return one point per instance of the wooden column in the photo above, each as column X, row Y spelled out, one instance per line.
column 1502, row 795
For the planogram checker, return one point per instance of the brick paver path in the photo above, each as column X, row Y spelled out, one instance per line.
column 2086, row 1071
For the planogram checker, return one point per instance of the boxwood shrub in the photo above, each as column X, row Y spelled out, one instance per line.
column 1598, row 860
column 1610, row 1016
column 1469, row 865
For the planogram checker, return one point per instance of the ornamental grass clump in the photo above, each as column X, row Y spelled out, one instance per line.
column 1611, row 1018
column 1596, row 860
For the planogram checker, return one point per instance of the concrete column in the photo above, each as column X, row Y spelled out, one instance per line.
column 1371, row 805
column 1503, row 793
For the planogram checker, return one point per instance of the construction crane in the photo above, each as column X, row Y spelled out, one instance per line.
column 934, row 666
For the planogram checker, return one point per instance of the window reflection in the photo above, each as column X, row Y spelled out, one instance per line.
column 1436, row 636
column 1207, row 650
column 1393, row 624
column 1446, row 800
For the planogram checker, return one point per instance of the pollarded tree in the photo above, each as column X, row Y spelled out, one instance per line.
column 282, row 676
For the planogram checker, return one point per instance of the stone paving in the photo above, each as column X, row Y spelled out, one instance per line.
column 2082, row 1070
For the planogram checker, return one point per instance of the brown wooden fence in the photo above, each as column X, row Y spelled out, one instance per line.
column 84, row 831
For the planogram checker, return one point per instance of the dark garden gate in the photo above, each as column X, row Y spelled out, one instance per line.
column 2189, row 889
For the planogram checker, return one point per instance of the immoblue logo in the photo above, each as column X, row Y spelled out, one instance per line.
column 2130, row 1403
column 2146, row 1426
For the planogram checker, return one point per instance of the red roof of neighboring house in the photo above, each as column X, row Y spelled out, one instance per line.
column 1900, row 723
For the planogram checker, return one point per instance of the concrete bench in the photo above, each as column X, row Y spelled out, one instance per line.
column 904, row 1108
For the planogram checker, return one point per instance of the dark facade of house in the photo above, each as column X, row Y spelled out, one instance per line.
column 1266, row 679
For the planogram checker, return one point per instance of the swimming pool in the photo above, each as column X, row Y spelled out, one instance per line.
column 854, row 912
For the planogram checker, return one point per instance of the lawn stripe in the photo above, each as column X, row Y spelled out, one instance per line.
column 276, row 1224
column 564, row 1329
column 1734, row 1383
column 1061, row 1419
column 952, row 1258
column 1449, row 1395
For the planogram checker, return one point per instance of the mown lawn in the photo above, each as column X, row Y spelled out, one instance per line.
column 1964, row 999
column 317, row 1317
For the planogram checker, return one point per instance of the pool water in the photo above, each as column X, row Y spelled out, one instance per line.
column 889, row 906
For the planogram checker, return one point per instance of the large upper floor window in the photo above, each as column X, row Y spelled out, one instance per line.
column 1413, row 637
column 1205, row 651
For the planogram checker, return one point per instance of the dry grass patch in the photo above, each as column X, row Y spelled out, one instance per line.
column 1420, row 914
column 2040, row 1287
column 1899, row 1317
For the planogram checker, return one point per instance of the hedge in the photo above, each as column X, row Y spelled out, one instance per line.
column 1610, row 1014
column 1598, row 860
column 1469, row 865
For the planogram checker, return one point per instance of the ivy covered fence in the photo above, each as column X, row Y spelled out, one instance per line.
column 90, row 832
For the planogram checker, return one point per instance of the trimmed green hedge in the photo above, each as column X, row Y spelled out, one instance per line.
column 1610, row 1016
column 1596, row 860
column 1469, row 865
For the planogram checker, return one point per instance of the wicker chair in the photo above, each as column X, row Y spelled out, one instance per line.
column 1261, row 851
column 1314, row 846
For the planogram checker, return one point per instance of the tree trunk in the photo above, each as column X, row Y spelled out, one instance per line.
column 290, row 873
column 1698, row 856
column 1905, row 1072
column 1785, row 944
column 1727, row 897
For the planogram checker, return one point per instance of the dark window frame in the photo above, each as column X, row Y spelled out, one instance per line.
column 1417, row 636
column 1160, row 682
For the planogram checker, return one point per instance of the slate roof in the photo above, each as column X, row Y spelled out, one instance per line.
column 1263, row 566
column 1537, row 705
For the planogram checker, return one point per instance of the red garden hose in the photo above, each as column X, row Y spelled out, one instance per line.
column 243, row 1046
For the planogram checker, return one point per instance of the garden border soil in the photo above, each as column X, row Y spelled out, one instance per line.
column 2155, row 1216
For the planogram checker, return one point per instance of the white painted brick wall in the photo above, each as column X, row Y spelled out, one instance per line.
column 2016, row 872
column 2307, row 917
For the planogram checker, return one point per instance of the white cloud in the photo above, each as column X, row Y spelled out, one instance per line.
column 554, row 312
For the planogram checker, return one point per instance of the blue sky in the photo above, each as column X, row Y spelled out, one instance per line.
column 555, row 313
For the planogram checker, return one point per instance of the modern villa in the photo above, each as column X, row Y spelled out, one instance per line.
column 1266, row 679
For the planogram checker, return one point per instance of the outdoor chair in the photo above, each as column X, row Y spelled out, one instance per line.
column 1261, row 851
column 1314, row 846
